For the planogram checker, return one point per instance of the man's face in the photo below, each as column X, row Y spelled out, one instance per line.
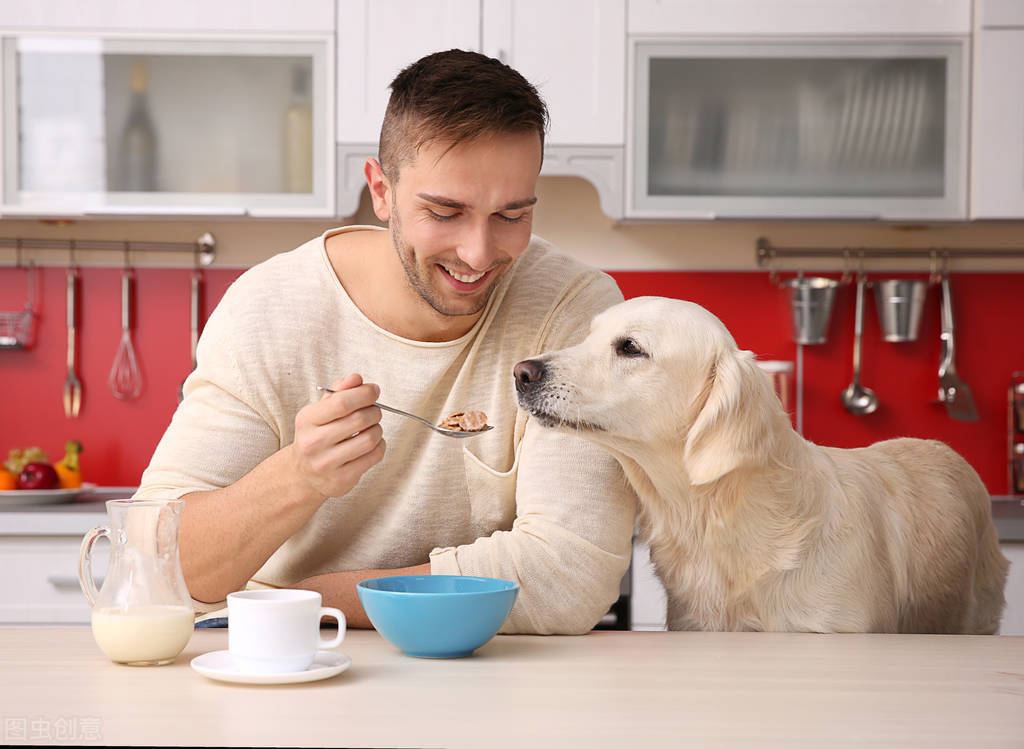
column 460, row 216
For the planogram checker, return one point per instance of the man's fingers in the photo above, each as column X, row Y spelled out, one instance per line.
column 340, row 404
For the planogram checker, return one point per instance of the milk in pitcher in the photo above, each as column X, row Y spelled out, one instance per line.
column 150, row 635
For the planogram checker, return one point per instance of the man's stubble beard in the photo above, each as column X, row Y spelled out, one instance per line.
column 416, row 275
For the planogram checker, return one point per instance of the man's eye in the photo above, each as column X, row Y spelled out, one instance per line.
column 511, row 219
column 628, row 347
column 441, row 216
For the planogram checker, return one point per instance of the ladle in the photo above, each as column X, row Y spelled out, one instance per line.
column 858, row 399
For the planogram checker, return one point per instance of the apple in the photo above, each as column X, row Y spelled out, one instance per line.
column 38, row 477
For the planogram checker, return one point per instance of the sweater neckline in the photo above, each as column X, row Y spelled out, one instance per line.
column 348, row 301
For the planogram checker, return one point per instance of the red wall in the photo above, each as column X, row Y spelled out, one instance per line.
column 119, row 436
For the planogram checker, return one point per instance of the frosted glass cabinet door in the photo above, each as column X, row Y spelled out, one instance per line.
column 791, row 129
column 164, row 126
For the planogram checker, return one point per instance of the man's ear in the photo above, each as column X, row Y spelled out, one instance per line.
column 380, row 188
column 734, row 426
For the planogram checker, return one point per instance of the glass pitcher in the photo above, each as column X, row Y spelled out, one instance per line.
column 142, row 615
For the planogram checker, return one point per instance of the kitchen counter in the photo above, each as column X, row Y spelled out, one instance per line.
column 81, row 515
column 605, row 689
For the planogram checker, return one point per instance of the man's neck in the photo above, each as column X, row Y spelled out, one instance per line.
column 368, row 268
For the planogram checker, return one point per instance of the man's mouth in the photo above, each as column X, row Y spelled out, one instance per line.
column 464, row 281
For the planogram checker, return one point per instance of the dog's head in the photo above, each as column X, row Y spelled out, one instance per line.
column 657, row 373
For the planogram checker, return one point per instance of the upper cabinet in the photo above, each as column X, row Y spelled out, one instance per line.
column 133, row 109
column 574, row 52
column 778, row 109
column 997, row 112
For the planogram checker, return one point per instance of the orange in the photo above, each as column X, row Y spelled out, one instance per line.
column 8, row 480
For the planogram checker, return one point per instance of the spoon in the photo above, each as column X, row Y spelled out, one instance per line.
column 440, row 430
column 857, row 399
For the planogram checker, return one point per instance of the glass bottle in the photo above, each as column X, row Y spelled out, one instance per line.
column 297, row 135
column 138, row 138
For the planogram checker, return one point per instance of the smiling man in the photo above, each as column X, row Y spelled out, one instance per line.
column 429, row 315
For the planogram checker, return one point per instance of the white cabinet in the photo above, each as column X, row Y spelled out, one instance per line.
column 1013, row 615
column 39, row 558
column 200, row 109
column 742, row 110
column 647, row 598
column 574, row 52
column 377, row 38
column 997, row 112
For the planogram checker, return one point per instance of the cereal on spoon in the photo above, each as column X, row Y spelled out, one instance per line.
column 465, row 421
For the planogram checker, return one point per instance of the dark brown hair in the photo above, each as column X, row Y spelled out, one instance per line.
column 456, row 96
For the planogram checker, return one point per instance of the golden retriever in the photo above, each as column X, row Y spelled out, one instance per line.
column 752, row 527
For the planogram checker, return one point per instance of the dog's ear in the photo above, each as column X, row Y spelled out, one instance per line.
column 734, row 426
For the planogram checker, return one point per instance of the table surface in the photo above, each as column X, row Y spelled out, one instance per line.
column 605, row 689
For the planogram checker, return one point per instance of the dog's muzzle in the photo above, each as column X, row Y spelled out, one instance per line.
column 529, row 374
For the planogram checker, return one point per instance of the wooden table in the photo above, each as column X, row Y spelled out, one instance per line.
column 607, row 689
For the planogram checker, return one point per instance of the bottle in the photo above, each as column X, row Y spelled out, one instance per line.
column 297, row 136
column 1018, row 468
column 138, row 138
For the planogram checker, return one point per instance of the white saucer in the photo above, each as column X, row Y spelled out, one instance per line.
column 218, row 665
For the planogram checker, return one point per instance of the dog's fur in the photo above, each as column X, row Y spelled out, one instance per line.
column 752, row 527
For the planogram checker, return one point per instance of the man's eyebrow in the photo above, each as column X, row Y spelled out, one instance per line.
column 458, row 205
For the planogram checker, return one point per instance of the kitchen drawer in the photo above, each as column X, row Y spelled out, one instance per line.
column 39, row 584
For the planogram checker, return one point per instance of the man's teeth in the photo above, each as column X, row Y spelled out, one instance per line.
column 464, row 277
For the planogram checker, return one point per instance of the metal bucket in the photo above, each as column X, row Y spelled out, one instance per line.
column 810, row 301
column 899, row 302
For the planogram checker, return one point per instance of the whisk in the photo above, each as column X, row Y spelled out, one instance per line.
column 125, row 379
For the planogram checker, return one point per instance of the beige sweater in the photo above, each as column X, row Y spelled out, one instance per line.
column 520, row 502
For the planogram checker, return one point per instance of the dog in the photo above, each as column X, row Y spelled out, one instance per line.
column 750, row 526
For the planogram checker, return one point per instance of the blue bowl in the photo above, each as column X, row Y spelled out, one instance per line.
column 437, row 616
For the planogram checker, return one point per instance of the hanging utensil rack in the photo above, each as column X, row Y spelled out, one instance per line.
column 768, row 255
column 203, row 249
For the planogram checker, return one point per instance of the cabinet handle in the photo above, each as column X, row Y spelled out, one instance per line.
column 68, row 581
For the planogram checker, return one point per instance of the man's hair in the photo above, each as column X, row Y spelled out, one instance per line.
column 454, row 97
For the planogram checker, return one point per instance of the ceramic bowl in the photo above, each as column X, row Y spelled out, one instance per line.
column 437, row 616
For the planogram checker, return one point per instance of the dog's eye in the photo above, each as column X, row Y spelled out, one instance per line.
column 628, row 347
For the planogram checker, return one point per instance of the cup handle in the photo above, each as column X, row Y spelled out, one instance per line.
column 85, row 578
column 334, row 614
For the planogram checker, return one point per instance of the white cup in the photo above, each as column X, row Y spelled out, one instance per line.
column 277, row 631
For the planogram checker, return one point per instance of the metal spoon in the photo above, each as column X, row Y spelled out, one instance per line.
column 440, row 430
column 857, row 399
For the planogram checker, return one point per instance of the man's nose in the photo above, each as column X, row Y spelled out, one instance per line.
column 529, row 374
column 477, row 248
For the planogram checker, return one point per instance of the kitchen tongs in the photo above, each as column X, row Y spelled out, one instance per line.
column 953, row 391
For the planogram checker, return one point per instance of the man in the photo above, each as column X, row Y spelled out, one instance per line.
column 434, row 311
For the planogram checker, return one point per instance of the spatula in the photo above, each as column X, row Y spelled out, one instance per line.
column 953, row 391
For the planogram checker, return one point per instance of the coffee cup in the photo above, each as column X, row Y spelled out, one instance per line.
column 278, row 631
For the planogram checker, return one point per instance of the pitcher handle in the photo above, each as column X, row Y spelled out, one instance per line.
column 334, row 614
column 85, row 578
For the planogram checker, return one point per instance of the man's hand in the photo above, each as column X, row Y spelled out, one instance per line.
column 338, row 438
column 338, row 589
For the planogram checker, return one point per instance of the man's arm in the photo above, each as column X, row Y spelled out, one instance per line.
column 338, row 589
column 228, row 534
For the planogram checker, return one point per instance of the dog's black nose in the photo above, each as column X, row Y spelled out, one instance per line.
column 528, row 373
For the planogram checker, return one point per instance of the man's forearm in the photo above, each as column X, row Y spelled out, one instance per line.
column 228, row 534
column 338, row 589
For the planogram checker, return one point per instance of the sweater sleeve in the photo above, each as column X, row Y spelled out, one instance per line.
column 571, row 540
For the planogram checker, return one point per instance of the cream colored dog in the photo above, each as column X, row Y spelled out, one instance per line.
column 752, row 527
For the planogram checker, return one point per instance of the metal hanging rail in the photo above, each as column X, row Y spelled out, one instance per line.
column 767, row 253
column 203, row 249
